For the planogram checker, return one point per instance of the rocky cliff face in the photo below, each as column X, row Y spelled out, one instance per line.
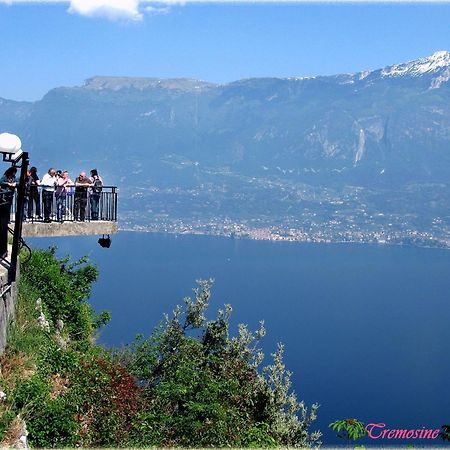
column 393, row 122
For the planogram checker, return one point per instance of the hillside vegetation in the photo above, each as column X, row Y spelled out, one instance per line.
column 188, row 384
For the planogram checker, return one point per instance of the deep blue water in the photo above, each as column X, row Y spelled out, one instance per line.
column 366, row 328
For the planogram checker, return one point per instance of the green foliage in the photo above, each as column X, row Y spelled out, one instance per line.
column 101, row 319
column 350, row 429
column 188, row 384
column 54, row 425
column 64, row 287
column 259, row 437
column 108, row 400
column 26, row 336
column 203, row 388
column 51, row 359
column 30, row 393
column 291, row 419
column 46, row 371
column 5, row 422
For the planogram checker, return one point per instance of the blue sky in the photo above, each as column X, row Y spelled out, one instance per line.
column 44, row 46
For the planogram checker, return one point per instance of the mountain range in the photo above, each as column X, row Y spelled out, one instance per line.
column 189, row 149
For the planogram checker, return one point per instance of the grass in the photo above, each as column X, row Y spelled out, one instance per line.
column 25, row 337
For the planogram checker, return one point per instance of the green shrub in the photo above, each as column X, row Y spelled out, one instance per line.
column 54, row 425
column 259, row 437
column 52, row 415
column 30, row 392
column 5, row 421
column 202, row 388
column 103, row 398
column 63, row 287
column 52, row 359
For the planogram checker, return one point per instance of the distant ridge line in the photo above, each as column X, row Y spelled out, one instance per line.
column 439, row 60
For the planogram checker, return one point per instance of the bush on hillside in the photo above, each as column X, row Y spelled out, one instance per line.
column 64, row 288
column 202, row 388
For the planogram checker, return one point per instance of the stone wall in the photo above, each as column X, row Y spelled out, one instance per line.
column 8, row 302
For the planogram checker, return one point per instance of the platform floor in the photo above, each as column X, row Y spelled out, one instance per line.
column 40, row 229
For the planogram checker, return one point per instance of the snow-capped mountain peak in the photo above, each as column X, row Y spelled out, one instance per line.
column 437, row 62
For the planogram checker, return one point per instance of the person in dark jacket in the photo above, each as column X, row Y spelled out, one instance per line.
column 34, row 199
column 95, row 193
column 82, row 184
column 26, row 197
column 8, row 184
column 7, row 187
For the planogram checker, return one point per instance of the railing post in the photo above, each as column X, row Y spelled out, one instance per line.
column 19, row 218
column 115, row 204
column 4, row 220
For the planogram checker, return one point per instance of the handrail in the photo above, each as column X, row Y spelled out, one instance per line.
column 74, row 185
column 43, row 205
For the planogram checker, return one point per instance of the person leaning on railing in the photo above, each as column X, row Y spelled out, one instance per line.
column 26, row 195
column 8, row 186
column 82, row 184
column 48, row 184
column 62, row 186
column 95, row 192
column 34, row 194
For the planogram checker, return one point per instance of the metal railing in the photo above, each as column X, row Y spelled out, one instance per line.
column 44, row 206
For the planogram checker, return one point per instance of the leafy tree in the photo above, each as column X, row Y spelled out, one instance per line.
column 203, row 388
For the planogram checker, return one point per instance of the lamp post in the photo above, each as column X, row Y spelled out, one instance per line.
column 11, row 149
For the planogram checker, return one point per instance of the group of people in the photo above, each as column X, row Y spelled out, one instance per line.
column 55, row 184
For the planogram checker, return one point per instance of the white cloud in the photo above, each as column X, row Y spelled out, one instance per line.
column 157, row 9
column 12, row 2
column 134, row 10
column 112, row 9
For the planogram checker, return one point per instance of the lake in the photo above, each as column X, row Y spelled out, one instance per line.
column 366, row 328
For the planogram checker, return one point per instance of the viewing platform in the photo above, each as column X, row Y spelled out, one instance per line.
column 53, row 206
column 75, row 216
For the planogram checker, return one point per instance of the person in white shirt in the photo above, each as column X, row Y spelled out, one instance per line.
column 48, row 184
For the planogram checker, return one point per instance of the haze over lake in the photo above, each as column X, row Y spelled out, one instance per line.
column 365, row 327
